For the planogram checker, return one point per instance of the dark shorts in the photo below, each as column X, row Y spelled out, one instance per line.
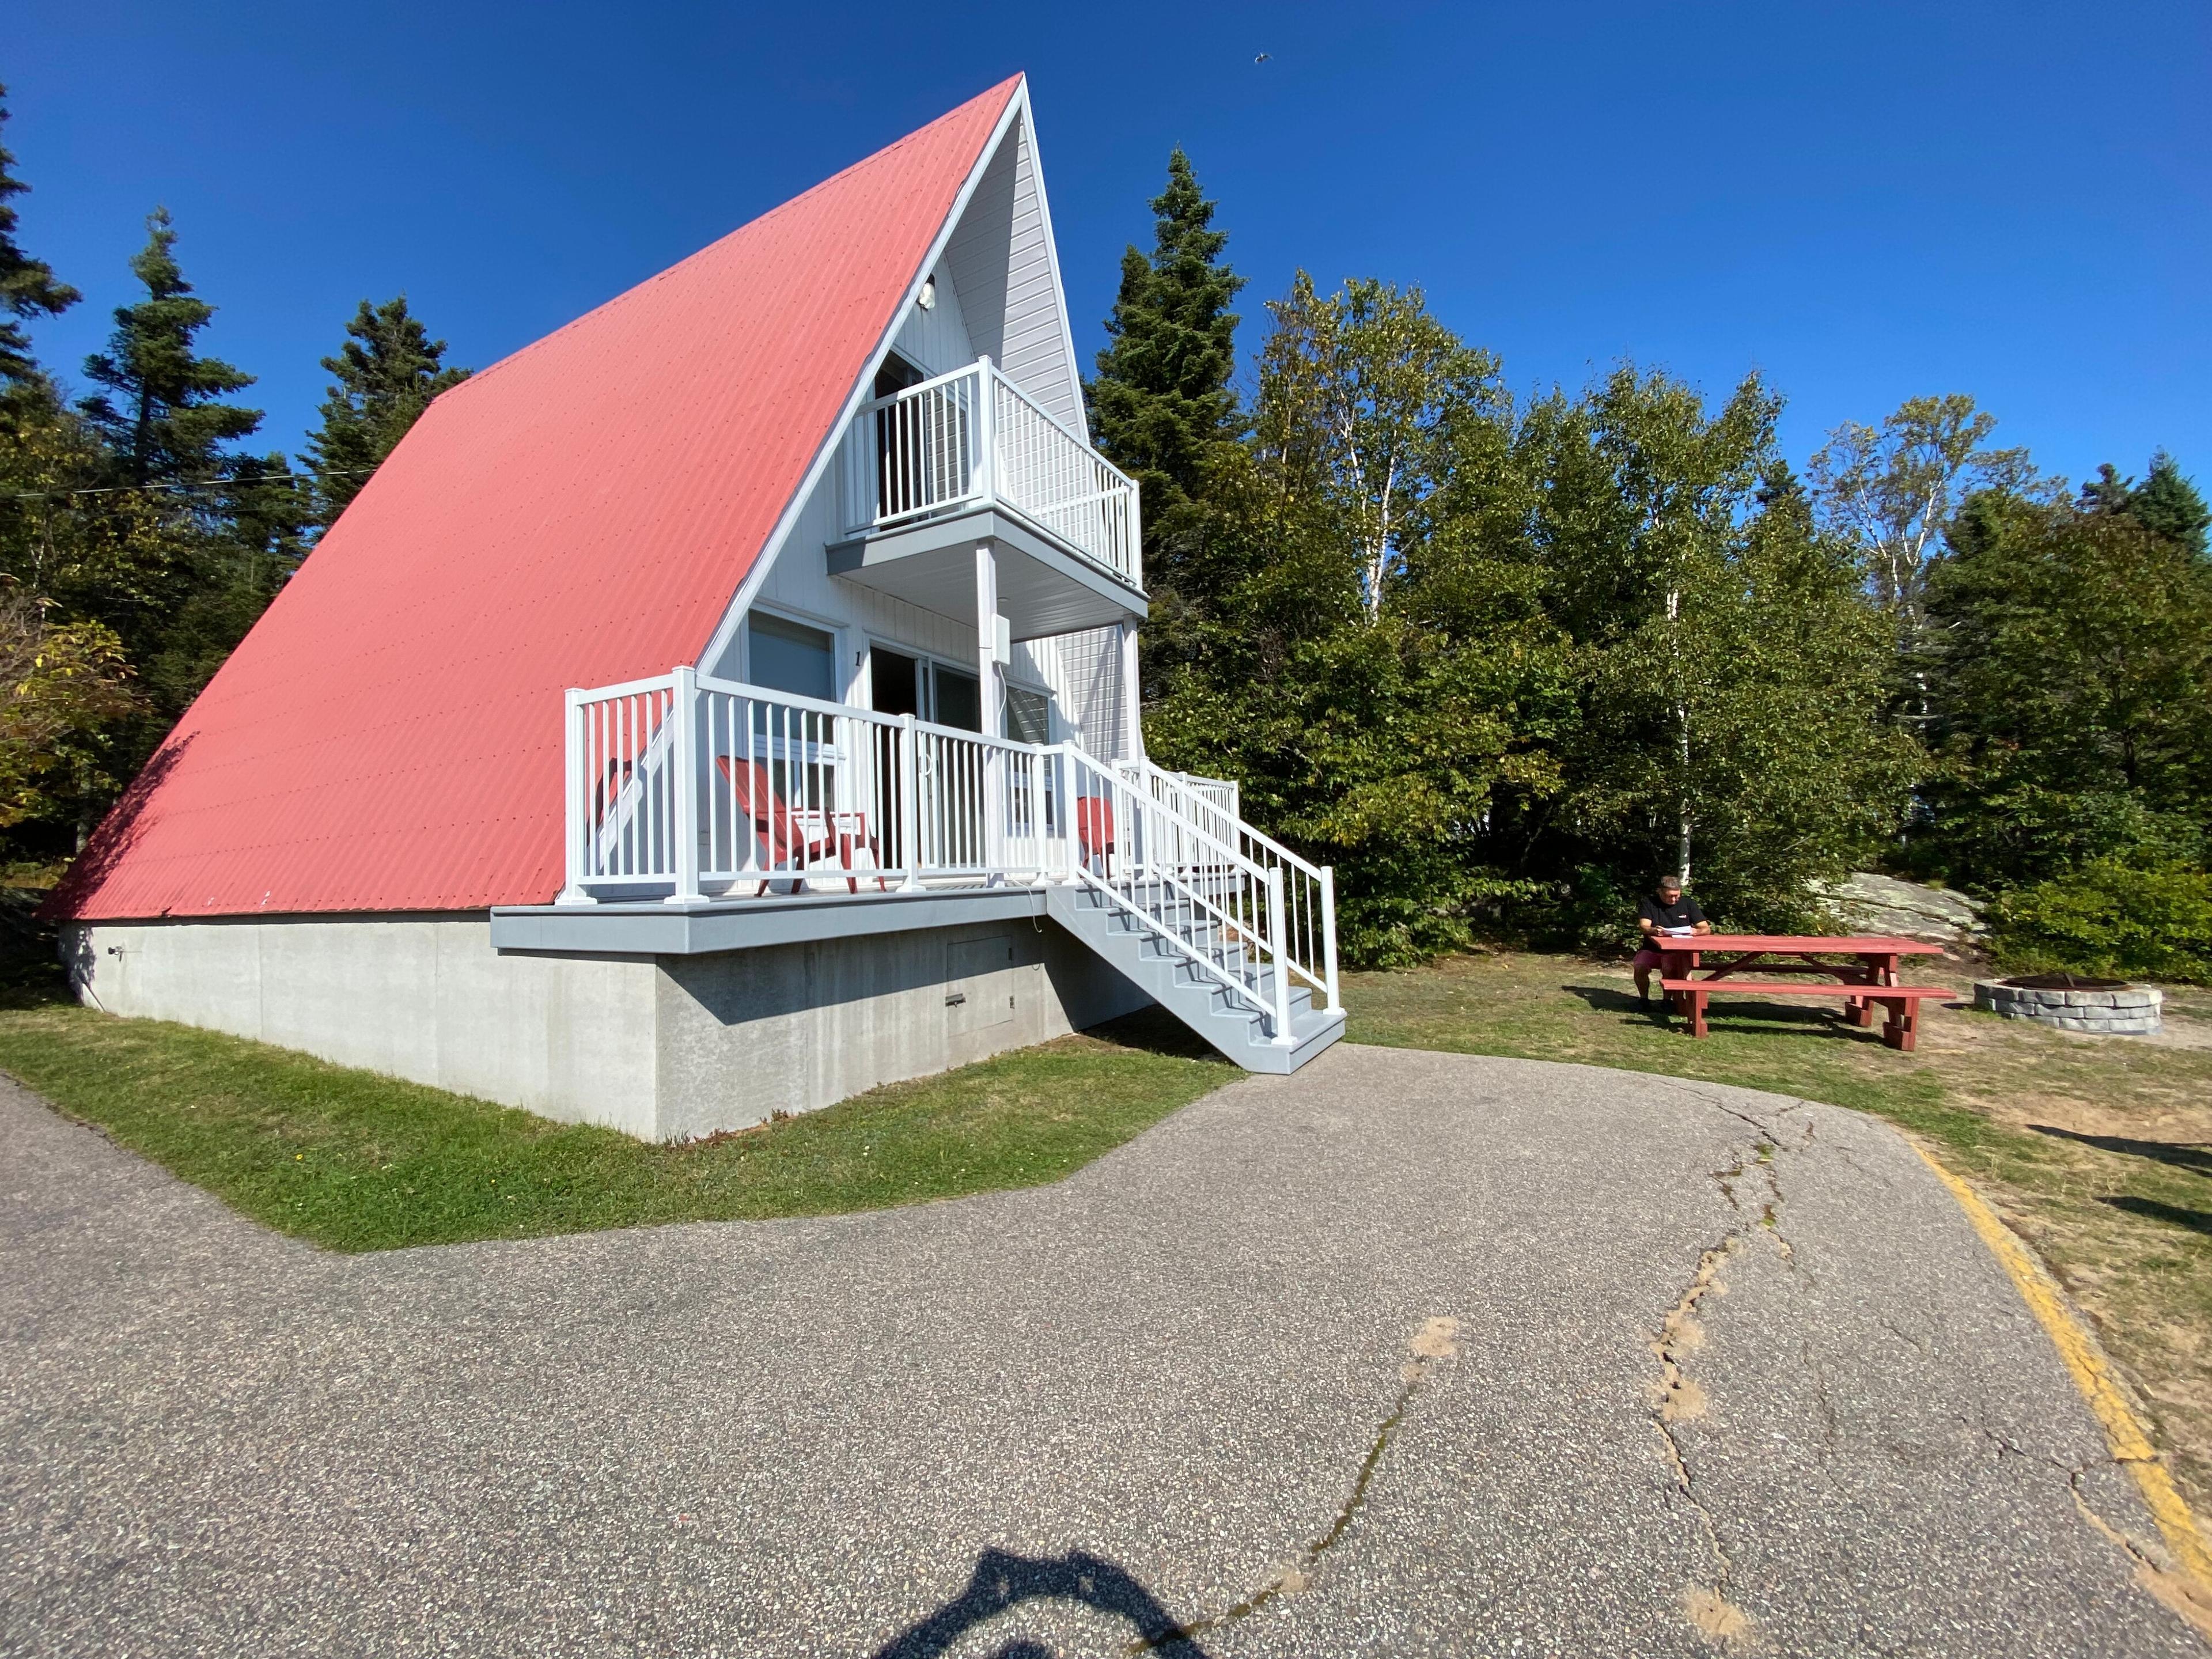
column 1646, row 958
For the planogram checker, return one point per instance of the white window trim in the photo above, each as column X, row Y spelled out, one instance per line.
column 848, row 676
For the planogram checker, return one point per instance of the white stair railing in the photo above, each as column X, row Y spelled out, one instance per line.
column 1308, row 889
column 1131, row 844
column 973, row 438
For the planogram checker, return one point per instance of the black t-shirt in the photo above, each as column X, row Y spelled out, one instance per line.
column 1682, row 912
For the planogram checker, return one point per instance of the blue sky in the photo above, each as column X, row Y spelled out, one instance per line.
column 1863, row 202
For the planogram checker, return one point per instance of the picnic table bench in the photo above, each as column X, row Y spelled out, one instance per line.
column 1868, row 983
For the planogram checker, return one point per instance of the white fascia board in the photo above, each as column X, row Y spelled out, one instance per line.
column 733, row 618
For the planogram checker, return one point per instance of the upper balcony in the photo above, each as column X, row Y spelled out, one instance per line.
column 927, row 474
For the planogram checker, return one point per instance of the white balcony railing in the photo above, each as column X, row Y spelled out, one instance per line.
column 973, row 438
column 687, row 788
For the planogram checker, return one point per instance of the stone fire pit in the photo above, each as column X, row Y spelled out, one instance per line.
column 2073, row 1003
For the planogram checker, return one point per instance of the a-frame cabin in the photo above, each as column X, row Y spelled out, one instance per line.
column 722, row 706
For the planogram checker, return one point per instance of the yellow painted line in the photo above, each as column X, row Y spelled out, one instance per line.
column 2093, row 1375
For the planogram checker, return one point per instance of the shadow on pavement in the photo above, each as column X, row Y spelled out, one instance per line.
column 2182, row 1155
column 1003, row 1580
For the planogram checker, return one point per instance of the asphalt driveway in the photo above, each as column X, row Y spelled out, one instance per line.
column 1408, row 1353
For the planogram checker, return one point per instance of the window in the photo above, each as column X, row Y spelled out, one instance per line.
column 928, row 690
column 896, row 682
column 958, row 697
column 789, row 656
column 1029, row 714
column 897, row 375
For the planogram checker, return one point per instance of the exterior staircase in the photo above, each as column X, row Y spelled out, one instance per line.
column 1185, row 959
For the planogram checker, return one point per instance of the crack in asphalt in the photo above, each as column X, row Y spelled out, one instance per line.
column 1432, row 1344
column 1680, row 1335
column 2173, row 1588
column 1901, row 1333
column 1679, row 1398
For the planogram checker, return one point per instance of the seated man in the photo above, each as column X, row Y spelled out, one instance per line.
column 1667, row 913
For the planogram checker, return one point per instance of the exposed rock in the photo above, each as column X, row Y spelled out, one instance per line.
column 1883, row 904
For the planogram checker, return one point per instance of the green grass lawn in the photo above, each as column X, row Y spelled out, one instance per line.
column 2097, row 1149
column 354, row 1160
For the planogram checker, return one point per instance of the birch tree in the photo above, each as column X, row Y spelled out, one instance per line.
column 1363, row 398
column 1893, row 490
column 1731, row 673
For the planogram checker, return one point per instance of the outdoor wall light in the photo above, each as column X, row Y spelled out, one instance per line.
column 928, row 300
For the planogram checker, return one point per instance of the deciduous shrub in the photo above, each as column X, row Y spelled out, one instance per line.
column 2108, row 917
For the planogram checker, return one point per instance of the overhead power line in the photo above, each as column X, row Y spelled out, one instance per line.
column 195, row 483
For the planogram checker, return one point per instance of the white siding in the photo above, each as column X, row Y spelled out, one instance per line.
column 976, row 253
column 1035, row 352
column 936, row 341
column 998, row 294
column 1083, row 671
column 1000, row 256
column 799, row 583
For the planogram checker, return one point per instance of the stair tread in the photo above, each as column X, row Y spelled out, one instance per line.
column 1177, row 980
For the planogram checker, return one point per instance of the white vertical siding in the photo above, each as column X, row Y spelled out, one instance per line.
column 976, row 253
column 1083, row 671
column 998, row 292
column 936, row 341
column 1000, row 256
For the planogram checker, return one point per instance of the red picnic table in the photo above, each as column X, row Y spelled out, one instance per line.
column 1866, row 982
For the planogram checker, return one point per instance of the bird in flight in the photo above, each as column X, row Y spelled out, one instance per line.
column 1262, row 57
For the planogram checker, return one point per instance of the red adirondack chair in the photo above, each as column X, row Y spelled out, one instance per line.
column 791, row 840
column 1094, row 830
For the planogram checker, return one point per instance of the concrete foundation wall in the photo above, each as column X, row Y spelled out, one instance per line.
column 424, row 998
column 663, row 1048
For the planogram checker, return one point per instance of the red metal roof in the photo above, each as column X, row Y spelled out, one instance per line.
column 389, row 736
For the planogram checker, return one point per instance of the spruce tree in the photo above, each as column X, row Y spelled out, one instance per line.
column 27, row 288
column 161, row 414
column 2167, row 504
column 1161, row 405
column 2108, row 492
column 387, row 373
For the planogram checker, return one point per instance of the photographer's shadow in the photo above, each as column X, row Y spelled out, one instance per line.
column 1003, row 1580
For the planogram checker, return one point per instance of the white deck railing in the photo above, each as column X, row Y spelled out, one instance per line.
column 685, row 788
column 972, row 439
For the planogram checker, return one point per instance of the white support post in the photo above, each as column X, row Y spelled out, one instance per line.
column 577, row 795
column 989, row 768
column 1328, row 933
column 1036, row 806
column 1136, row 500
column 909, row 808
column 683, row 785
column 985, row 483
column 986, row 635
column 1063, row 796
column 1133, row 696
column 1278, row 941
